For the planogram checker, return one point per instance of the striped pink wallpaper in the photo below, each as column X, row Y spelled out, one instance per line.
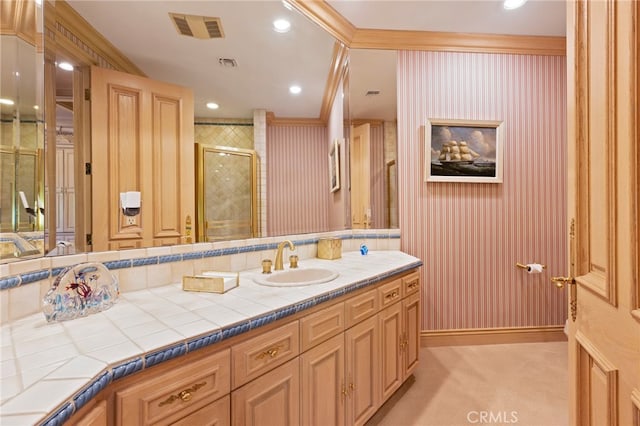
column 297, row 180
column 470, row 236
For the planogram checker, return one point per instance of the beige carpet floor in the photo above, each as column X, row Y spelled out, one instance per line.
column 523, row 384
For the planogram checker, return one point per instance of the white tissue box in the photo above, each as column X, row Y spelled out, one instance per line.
column 211, row 282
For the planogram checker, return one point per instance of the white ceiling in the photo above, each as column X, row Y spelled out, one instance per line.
column 269, row 62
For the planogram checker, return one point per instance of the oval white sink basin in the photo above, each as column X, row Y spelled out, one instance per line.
column 296, row 277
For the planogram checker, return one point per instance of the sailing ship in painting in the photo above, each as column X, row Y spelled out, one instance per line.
column 451, row 157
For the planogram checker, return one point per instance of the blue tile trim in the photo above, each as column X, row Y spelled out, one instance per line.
column 127, row 368
column 92, row 390
column 212, row 253
column 56, row 271
column 229, row 250
column 32, row 277
column 285, row 312
column 207, row 340
column 142, row 261
column 263, row 320
column 193, row 255
column 9, row 282
column 169, row 258
column 60, row 416
column 236, row 329
column 118, row 264
column 164, row 355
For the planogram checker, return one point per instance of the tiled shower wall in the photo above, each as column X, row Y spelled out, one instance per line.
column 470, row 235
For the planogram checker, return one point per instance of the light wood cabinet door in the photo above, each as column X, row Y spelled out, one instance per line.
column 362, row 371
column 324, row 390
column 410, row 344
column 390, row 325
column 272, row 399
column 97, row 416
column 217, row 413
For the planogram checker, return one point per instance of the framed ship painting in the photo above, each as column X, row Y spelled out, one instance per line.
column 463, row 151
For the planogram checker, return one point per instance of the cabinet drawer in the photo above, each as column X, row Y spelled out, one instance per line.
column 260, row 354
column 172, row 394
column 390, row 293
column 410, row 284
column 361, row 307
column 215, row 414
column 322, row 325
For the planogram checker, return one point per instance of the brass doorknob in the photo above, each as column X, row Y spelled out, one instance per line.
column 561, row 281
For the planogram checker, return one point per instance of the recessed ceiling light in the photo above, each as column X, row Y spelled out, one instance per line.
column 5, row 101
column 212, row 105
column 281, row 25
column 65, row 66
column 295, row 89
column 513, row 4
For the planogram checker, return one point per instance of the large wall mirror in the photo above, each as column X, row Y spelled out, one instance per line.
column 21, row 131
column 223, row 71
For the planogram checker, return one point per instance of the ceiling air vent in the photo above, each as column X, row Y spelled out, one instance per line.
column 227, row 62
column 202, row 27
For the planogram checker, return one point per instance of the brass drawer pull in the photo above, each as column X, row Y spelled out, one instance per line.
column 413, row 285
column 271, row 353
column 184, row 395
column 392, row 295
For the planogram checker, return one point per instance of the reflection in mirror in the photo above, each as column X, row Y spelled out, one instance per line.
column 372, row 114
column 248, row 69
column 226, row 193
column 21, row 131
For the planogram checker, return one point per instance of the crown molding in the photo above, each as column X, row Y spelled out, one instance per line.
column 320, row 12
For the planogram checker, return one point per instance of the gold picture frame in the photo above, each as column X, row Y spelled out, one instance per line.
column 334, row 166
column 463, row 151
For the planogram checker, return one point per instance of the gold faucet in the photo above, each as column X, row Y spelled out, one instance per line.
column 278, row 266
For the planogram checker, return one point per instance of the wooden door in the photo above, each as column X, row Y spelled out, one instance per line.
column 604, row 297
column 323, row 384
column 410, row 345
column 65, row 194
column 390, row 326
column 141, row 140
column 271, row 399
column 360, row 170
column 362, row 371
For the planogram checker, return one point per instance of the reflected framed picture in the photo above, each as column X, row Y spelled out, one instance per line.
column 334, row 166
column 463, row 151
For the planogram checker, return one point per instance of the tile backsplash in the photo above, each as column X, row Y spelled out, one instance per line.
column 23, row 284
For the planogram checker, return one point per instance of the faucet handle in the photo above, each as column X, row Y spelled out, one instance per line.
column 293, row 261
column 266, row 266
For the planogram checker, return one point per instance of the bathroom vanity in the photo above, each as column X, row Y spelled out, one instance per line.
column 329, row 353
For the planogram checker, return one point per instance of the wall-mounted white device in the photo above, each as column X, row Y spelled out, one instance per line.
column 130, row 203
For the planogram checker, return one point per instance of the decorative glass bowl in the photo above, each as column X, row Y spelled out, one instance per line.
column 80, row 290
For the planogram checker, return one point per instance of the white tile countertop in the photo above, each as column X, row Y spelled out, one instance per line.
column 47, row 368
